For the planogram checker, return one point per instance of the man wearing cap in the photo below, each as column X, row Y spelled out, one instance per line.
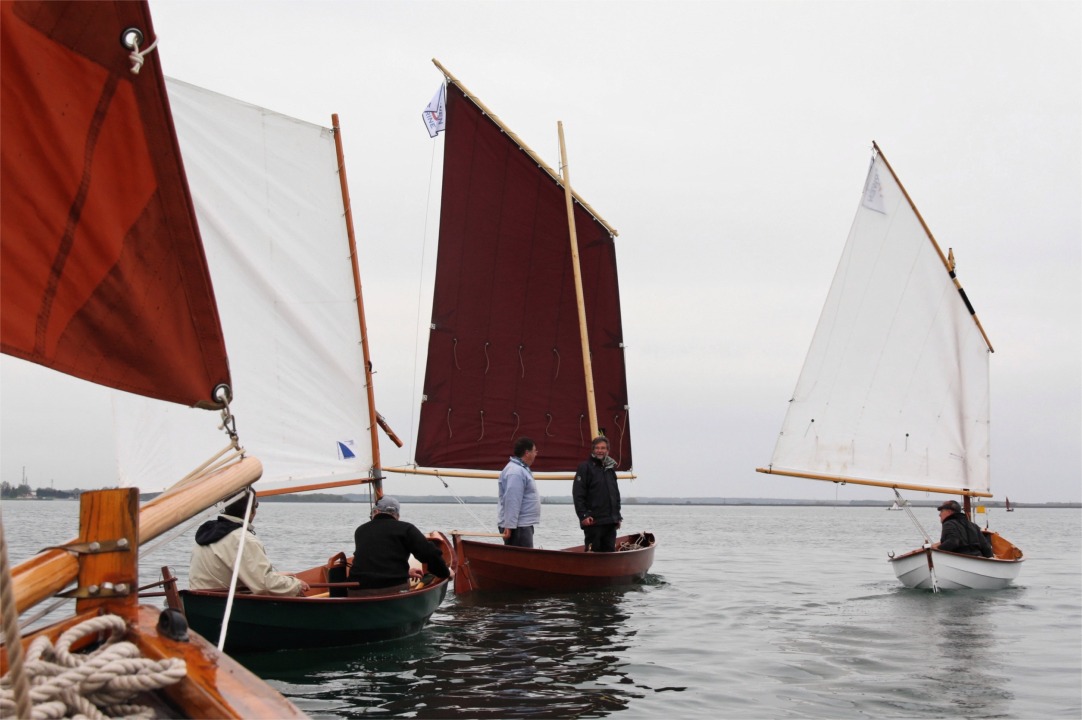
column 383, row 546
column 959, row 535
column 217, row 543
column 518, row 507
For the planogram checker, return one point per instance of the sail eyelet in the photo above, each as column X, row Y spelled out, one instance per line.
column 131, row 38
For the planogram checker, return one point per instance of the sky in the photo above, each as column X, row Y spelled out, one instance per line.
column 728, row 143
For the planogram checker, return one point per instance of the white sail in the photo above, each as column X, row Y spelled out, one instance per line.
column 269, row 205
column 895, row 385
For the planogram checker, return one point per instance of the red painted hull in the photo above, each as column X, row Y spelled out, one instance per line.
column 494, row 567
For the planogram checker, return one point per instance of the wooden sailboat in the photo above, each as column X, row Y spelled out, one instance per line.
column 526, row 339
column 894, row 392
column 1007, row 502
column 103, row 278
column 324, row 617
column 271, row 193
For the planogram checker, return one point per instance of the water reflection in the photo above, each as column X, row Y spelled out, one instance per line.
column 483, row 657
column 968, row 651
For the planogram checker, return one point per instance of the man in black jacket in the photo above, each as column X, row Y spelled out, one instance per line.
column 959, row 535
column 383, row 548
column 597, row 499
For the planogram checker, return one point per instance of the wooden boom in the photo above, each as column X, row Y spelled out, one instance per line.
column 874, row 483
column 49, row 572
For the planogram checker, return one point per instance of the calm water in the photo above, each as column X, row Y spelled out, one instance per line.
column 748, row 612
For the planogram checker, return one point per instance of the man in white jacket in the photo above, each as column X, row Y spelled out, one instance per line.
column 217, row 543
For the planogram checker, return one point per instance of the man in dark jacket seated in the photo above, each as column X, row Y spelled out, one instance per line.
column 959, row 535
column 383, row 546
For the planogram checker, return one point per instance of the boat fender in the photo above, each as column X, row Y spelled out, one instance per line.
column 173, row 625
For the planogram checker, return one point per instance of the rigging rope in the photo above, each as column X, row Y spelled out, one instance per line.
column 29, row 620
column 420, row 289
column 909, row 511
column 480, row 523
column 16, row 680
column 137, row 56
column 96, row 685
column 236, row 568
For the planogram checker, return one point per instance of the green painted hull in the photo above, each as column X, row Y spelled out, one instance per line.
column 261, row 623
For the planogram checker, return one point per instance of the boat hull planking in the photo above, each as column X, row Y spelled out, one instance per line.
column 260, row 623
column 959, row 572
column 494, row 567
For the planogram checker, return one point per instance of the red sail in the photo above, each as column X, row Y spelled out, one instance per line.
column 102, row 273
column 504, row 353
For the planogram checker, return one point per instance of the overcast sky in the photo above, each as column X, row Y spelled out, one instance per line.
column 728, row 144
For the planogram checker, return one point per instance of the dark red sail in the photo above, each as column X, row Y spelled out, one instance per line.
column 504, row 353
column 103, row 273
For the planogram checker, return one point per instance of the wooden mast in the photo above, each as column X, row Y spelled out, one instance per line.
column 373, row 428
column 584, row 336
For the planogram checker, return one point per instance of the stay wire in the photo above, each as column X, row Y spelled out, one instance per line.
column 420, row 289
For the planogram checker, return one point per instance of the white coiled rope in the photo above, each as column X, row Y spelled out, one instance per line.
column 96, row 685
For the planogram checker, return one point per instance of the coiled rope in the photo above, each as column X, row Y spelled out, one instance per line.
column 96, row 685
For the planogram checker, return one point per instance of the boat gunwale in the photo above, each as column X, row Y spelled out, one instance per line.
column 247, row 596
column 920, row 551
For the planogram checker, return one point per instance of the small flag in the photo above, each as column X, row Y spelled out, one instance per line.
column 435, row 115
column 345, row 450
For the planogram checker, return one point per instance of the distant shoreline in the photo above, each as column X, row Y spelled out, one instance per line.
column 629, row 501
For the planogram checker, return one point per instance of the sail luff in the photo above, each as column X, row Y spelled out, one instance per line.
column 373, row 429
column 845, row 480
column 584, row 335
column 948, row 262
column 524, row 147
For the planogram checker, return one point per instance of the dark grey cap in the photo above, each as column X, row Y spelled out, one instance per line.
column 388, row 504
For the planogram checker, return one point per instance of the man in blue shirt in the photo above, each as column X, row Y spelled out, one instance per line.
column 519, row 505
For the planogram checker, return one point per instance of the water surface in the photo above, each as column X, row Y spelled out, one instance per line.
column 748, row 612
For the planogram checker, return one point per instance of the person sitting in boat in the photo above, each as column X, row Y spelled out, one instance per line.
column 383, row 548
column 597, row 498
column 216, row 545
column 959, row 534
column 518, row 507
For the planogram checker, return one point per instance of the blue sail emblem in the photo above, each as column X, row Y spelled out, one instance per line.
column 345, row 450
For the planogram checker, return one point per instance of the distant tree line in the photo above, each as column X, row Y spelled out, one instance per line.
column 7, row 490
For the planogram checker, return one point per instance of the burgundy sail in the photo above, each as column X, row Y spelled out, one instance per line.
column 504, row 353
column 103, row 272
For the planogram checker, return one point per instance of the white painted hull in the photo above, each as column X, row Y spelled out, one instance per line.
column 954, row 571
